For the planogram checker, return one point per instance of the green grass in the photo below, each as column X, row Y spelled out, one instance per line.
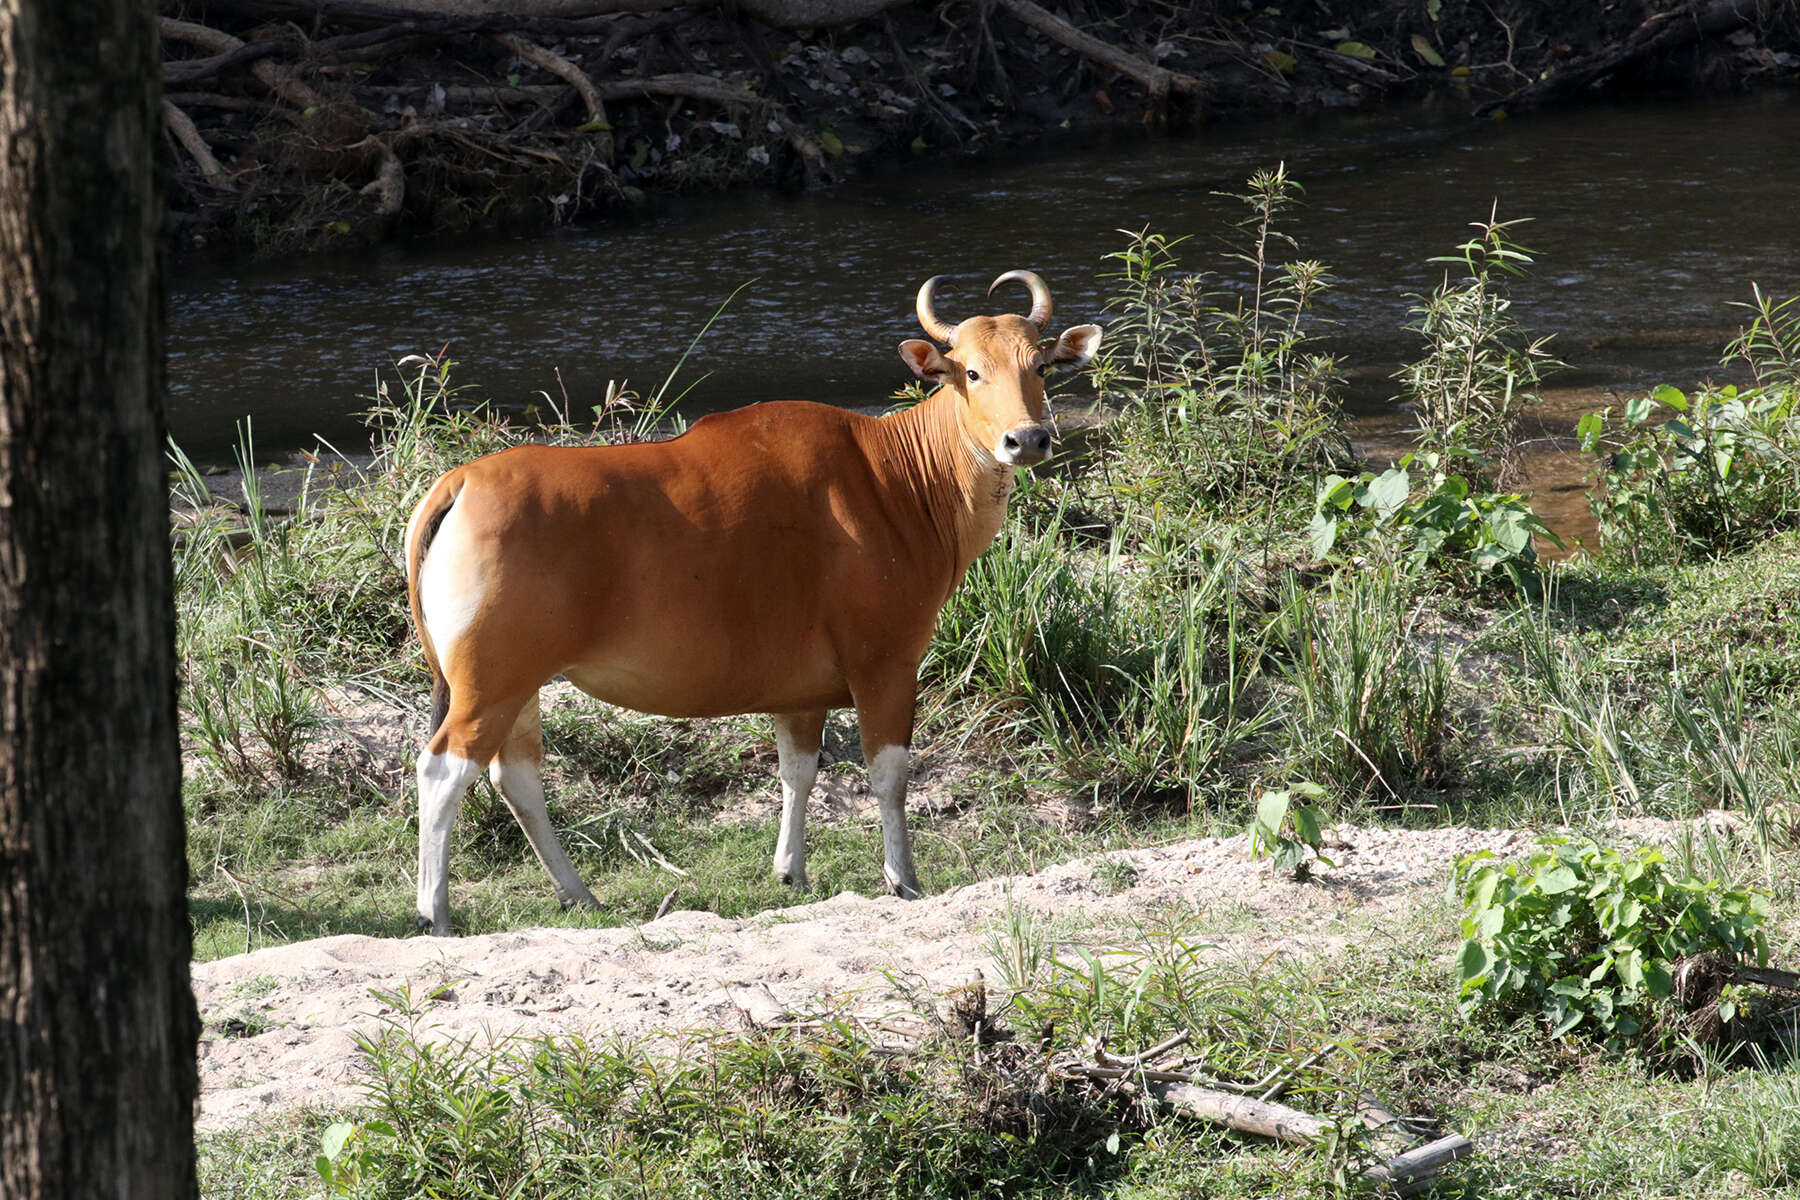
column 822, row 1110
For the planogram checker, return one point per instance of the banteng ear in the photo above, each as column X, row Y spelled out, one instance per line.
column 924, row 359
column 1076, row 346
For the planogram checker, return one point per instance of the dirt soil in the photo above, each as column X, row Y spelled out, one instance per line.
column 281, row 1022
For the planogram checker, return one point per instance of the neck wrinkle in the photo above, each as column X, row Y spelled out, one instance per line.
column 960, row 491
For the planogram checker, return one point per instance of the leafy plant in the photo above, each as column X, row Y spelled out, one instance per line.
column 1476, row 376
column 1286, row 829
column 1694, row 475
column 1708, row 473
column 1440, row 518
column 1227, row 399
column 1589, row 936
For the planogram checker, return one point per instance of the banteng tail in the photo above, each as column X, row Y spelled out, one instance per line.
column 419, row 532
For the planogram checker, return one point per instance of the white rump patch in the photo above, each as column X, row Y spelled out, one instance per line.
column 450, row 587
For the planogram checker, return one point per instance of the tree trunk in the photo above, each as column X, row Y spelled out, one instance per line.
column 97, row 1022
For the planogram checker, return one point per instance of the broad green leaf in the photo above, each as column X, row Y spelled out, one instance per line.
column 1271, row 810
column 1423, row 48
column 336, row 1135
column 1554, row 878
column 1590, row 429
column 1321, row 535
column 1280, row 62
column 1637, row 410
column 1355, row 49
column 1387, row 491
column 1473, row 961
column 1671, row 396
column 1306, row 825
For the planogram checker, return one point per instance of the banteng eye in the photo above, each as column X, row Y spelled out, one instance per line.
column 1043, row 368
column 974, row 377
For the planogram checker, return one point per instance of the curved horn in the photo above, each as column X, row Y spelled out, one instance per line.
column 1040, row 295
column 928, row 319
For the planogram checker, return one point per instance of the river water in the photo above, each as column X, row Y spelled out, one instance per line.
column 1649, row 221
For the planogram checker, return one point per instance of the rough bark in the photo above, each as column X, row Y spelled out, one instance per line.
column 97, row 1022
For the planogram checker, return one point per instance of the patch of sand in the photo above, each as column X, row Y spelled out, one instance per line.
column 298, row 1009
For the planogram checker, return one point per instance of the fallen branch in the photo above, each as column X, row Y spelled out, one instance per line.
column 477, row 94
column 560, row 67
column 1661, row 32
column 1767, row 976
column 782, row 14
column 1158, row 81
column 690, row 87
column 1402, row 1173
column 182, row 126
column 277, row 79
column 1412, row 1171
column 193, row 70
column 389, row 184
column 1246, row 1114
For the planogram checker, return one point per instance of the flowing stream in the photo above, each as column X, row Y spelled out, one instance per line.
column 1649, row 221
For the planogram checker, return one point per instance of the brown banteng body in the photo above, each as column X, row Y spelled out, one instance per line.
column 786, row 558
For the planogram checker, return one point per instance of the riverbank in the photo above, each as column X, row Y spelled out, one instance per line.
column 299, row 124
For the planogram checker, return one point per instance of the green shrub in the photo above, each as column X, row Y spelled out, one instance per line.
column 1439, row 519
column 1474, row 380
column 1693, row 476
column 1286, row 829
column 1227, row 403
column 1590, row 937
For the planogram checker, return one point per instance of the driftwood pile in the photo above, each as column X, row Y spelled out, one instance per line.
column 294, row 122
column 1162, row 1079
column 1166, row 1078
column 324, row 113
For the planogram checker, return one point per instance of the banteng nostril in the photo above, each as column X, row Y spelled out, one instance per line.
column 1010, row 442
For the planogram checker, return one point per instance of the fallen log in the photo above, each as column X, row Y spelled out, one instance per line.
column 1401, row 1173
column 277, row 79
column 1659, row 33
column 1246, row 1114
column 1160, row 82
column 182, row 126
column 1413, row 1170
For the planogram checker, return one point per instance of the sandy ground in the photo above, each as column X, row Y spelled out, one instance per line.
column 282, row 1022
